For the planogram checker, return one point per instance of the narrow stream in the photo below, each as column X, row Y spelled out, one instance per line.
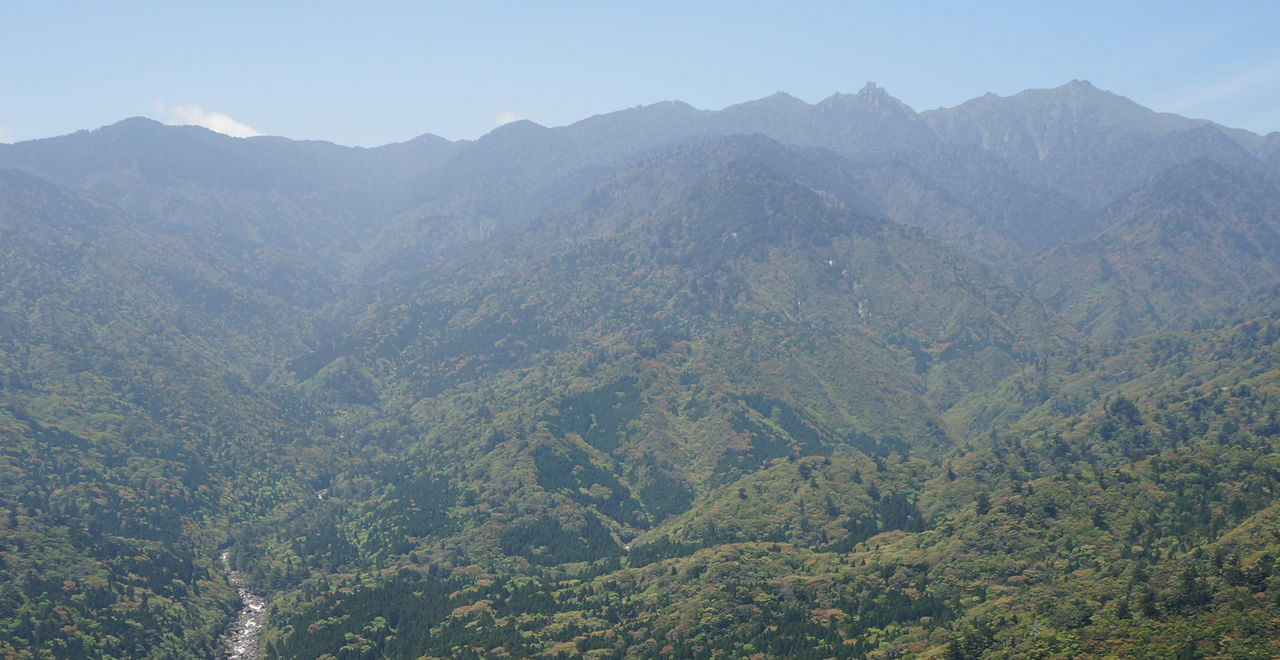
column 241, row 640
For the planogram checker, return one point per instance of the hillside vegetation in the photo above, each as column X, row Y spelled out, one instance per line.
column 776, row 381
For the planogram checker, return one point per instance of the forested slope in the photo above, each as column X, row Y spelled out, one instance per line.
column 780, row 380
column 135, row 441
column 1137, row 522
column 1198, row 245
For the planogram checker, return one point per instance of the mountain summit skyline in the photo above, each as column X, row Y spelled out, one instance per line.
column 782, row 380
column 1078, row 93
column 390, row 73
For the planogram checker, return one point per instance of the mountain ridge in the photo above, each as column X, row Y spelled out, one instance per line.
column 780, row 380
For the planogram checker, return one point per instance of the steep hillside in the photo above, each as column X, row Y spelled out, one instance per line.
column 1268, row 150
column 862, row 124
column 522, row 170
column 133, row 438
column 640, row 352
column 665, row 382
column 285, row 213
column 1127, row 512
column 1200, row 244
column 1094, row 145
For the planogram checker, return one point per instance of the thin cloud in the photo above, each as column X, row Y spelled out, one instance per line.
column 506, row 117
column 6, row 135
column 193, row 115
column 1262, row 76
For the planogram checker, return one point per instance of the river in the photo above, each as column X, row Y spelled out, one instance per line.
column 241, row 640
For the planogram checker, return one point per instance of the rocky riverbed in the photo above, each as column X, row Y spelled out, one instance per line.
column 241, row 640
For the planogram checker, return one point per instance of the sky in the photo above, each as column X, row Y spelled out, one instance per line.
column 382, row 72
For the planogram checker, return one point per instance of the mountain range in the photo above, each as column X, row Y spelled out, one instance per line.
column 779, row 380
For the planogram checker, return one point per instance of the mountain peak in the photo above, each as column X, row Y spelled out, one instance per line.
column 1076, row 83
column 1075, row 93
column 133, row 122
column 869, row 97
column 782, row 100
column 773, row 103
column 431, row 138
column 872, row 95
column 139, row 126
column 518, row 129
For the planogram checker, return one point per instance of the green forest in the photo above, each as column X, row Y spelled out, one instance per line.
column 840, row 386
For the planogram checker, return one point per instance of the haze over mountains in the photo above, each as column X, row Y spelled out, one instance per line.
column 830, row 380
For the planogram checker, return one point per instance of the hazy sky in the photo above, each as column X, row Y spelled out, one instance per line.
column 386, row 72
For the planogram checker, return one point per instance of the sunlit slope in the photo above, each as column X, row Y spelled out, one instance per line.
column 134, row 438
column 1139, row 524
column 639, row 350
column 1198, row 245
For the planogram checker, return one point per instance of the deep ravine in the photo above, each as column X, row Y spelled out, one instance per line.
column 240, row 642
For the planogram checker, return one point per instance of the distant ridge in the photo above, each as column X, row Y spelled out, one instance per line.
column 1090, row 143
column 783, row 380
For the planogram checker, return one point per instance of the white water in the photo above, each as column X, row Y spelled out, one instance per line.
column 241, row 640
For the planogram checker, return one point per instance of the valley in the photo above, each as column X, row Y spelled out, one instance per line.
column 782, row 380
column 241, row 638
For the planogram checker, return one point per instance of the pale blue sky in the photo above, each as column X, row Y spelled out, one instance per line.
column 388, row 71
